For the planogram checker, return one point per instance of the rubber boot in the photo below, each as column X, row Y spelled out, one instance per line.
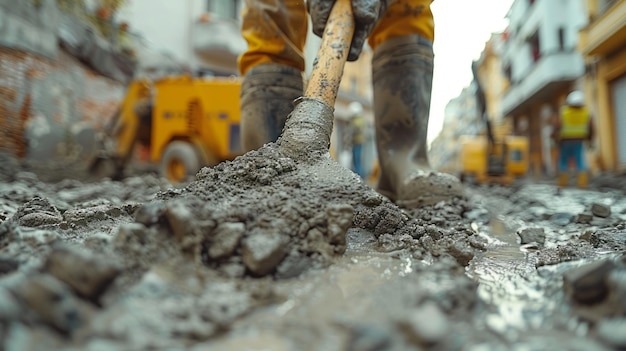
column 267, row 95
column 583, row 180
column 562, row 180
column 402, row 71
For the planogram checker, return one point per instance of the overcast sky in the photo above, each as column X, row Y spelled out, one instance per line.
column 461, row 29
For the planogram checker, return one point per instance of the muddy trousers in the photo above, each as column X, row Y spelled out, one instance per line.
column 275, row 31
column 572, row 150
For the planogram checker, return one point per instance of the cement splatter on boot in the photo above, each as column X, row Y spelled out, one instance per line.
column 402, row 70
column 267, row 95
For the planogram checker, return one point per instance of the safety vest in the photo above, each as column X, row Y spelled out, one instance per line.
column 358, row 130
column 574, row 123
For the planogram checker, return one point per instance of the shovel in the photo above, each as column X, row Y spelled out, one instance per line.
column 308, row 129
column 296, row 203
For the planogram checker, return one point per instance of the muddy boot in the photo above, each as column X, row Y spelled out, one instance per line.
column 583, row 180
column 402, row 71
column 562, row 180
column 267, row 95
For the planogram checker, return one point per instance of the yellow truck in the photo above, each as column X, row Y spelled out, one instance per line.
column 499, row 162
column 183, row 122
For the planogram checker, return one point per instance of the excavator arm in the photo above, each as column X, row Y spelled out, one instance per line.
column 496, row 151
column 130, row 123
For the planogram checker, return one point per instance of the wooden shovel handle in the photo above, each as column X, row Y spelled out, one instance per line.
column 332, row 54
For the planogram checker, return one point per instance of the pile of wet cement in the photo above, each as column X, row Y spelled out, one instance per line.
column 141, row 264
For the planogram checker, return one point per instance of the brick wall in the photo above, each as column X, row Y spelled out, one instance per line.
column 49, row 109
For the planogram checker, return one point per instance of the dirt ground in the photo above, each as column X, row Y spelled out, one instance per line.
column 265, row 253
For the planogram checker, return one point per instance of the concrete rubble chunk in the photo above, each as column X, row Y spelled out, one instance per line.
column 53, row 302
column 87, row 273
column 588, row 284
column 38, row 212
column 600, row 210
column 426, row 325
column 8, row 265
column 584, row 218
column 262, row 252
column 8, row 233
column 339, row 219
column 131, row 234
column 180, row 219
column 40, row 219
column 293, row 265
column 82, row 216
column 532, row 235
column 611, row 239
column 39, row 238
column 226, row 240
column 149, row 213
column 462, row 252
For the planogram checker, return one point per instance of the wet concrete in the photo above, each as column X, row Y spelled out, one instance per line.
column 267, row 253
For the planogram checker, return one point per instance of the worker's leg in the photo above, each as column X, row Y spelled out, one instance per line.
column 565, row 153
column 402, row 69
column 272, row 66
column 582, row 180
column 357, row 150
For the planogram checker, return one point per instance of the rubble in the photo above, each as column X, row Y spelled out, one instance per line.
column 227, row 261
column 600, row 210
column 532, row 235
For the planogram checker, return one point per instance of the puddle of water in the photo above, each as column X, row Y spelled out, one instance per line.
column 357, row 287
column 521, row 297
column 508, row 282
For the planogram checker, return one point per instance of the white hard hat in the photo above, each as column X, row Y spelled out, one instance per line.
column 355, row 108
column 575, row 98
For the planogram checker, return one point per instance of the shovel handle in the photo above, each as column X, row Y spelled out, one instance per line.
column 332, row 54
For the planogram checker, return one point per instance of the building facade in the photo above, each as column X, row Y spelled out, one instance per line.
column 51, row 100
column 495, row 84
column 541, row 62
column 603, row 44
column 202, row 34
column 461, row 118
column 206, row 36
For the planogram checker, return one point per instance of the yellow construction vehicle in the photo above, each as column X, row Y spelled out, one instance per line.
column 484, row 161
column 183, row 122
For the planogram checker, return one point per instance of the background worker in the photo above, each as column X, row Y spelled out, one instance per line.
column 401, row 34
column 357, row 133
column 573, row 127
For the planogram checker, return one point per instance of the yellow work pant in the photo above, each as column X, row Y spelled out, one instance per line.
column 276, row 30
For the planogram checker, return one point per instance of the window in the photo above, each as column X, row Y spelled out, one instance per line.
column 224, row 9
column 535, row 47
column 507, row 72
column 516, row 156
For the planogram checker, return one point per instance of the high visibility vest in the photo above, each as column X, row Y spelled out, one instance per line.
column 574, row 123
column 358, row 130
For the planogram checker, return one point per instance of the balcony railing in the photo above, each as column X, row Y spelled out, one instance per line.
column 218, row 43
column 605, row 5
column 606, row 32
column 552, row 68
